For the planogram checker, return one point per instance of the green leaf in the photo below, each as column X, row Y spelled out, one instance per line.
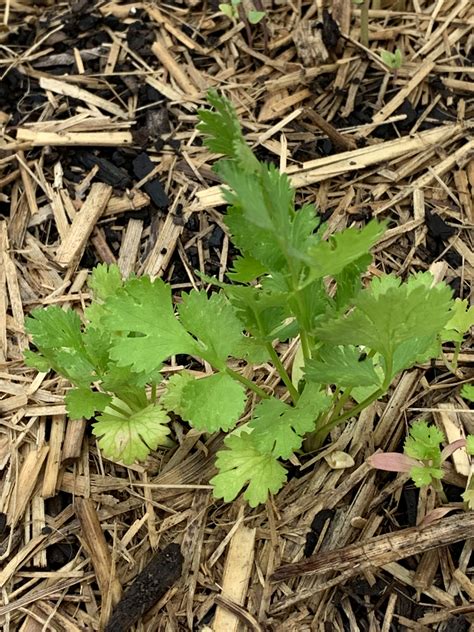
column 462, row 319
column 468, row 497
column 58, row 336
column 143, row 310
column 224, row 135
column 342, row 366
column 470, row 444
column 467, row 392
column 227, row 10
column 279, row 429
column 329, row 258
column 105, row 281
column 55, row 328
column 213, row 320
column 265, row 199
column 349, row 282
column 258, row 243
column 388, row 314
column 129, row 435
column 84, row 403
column 423, row 442
column 262, row 311
column 424, row 475
column 240, row 465
column 246, row 269
column 212, row 403
column 254, row 17
column 37, row 361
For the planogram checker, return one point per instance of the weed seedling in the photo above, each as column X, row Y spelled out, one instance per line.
column 231, row 10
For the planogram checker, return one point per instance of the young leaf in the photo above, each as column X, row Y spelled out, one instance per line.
column 388, row 314
column 329, row 258
column 105, row 281
column 224, row 135
column 227, row 10
column 470, row 444
column 58, row 336
column 423, row 475
column 423, row 442
column 55, row 328
column 143, row 310
column 130, row 435
column 279, row 429
column 215, row 323
column 342, row 366
column 462, row 319
column 211, row 403
column 467, row 392
column 242, row 464
column 246, row 269
column 84, row 403
column 254, row 17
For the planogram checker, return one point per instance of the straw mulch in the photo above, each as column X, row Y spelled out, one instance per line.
column 100, row 162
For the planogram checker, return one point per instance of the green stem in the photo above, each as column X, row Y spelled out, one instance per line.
column 438, row 487
column 454, row 362
column 341, row 402
column 364, row 23
column 323, row 432
column 282, row 372
column 248, row 383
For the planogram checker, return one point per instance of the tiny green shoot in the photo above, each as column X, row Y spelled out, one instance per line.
column 231, row 10
column 393, row 60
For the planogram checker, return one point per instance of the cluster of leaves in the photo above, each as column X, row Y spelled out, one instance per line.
column 393, row 60
column 277, row 290
column 423, row 457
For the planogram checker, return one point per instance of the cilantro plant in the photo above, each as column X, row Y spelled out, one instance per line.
column 423, row 458
column 356, row 335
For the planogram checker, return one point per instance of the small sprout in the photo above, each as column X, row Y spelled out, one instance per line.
column 393, row 60
column 230, row 10
column 254, row 17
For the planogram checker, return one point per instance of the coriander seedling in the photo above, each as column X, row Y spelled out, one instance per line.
column 423, row 458
column 277, row 291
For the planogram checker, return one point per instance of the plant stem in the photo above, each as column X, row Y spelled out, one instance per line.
column 364, row 23
column 323, row 432
column 248, row 383
column 283, row 373
column 438, row 487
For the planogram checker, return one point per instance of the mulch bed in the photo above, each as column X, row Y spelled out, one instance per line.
column 100, row 161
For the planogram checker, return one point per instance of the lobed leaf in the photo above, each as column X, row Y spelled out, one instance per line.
column 143, row 310
column 211, row 403
column 130, row 435
column 242, row 465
